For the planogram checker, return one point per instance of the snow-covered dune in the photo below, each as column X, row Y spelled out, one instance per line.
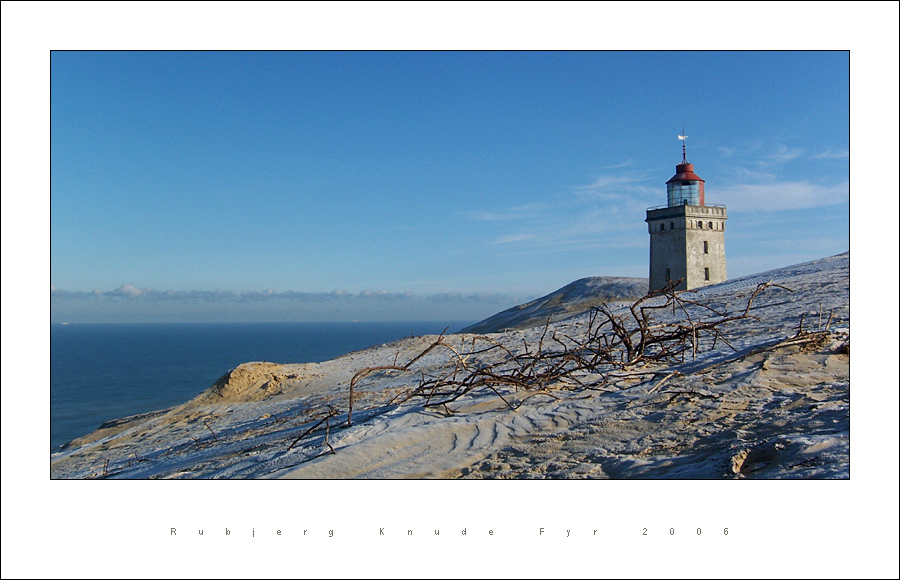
column 574, row 298
column 766, row 395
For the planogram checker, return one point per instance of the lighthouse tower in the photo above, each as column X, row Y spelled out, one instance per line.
column 687, row 237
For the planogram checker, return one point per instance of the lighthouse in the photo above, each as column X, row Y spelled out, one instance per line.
column 687, row 237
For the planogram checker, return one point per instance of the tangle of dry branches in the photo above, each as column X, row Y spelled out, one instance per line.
column 611, row 343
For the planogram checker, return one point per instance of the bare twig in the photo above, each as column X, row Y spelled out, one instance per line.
column 665, row 378
column 307, row 432
column 360, row 374
column 216, row 439
column 326, row 434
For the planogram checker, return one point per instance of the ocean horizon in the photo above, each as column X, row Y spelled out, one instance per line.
column 105, row 371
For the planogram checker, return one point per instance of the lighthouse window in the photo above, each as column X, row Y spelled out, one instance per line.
column 705, row 247
column 706, row 273
column 710, row 225
column 671, row 225
column 700, row 225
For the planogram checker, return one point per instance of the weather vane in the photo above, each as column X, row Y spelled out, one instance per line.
column 683, row 138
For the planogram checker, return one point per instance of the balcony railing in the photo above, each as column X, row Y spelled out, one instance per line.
column 681, row 204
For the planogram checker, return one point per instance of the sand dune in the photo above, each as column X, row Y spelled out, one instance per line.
column 574, row 298
column 768, row 399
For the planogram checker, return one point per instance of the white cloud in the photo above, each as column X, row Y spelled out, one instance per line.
column 775, row 195
column 829, row 154
column 784, row 154
column 248, row 296
column 127, row 290
column 261, row 306
column 529, row 210
column 606, row 184
column 599, row 214
column 508, row 239
column 620, row 194
column 627, row 163
column 762, row 157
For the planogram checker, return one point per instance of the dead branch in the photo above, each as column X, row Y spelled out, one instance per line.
column 216, row 439
column 363, row 372
column 326, row 434
column 324, row 419
column 613, row 346
column 665, row 378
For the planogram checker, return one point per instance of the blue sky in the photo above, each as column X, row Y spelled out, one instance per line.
column 476, row 178
column 491, row 176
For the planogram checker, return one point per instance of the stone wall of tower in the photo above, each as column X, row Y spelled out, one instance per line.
column 687, row 242
column 705, row 263
column 667, row 257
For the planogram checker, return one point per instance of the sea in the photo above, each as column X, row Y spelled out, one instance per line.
column 100, row 372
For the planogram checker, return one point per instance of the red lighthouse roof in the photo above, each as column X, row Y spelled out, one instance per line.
column 685, row 172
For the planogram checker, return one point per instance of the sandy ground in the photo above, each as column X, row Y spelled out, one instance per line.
column 771, row 402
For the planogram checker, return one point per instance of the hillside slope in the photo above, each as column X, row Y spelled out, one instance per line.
column 572, row 299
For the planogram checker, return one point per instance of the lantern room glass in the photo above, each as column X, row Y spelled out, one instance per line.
column 683, row 193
